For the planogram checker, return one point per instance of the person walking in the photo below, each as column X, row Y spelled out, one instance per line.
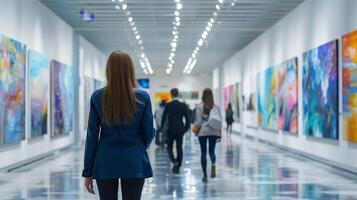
column 159, row 138
column 178, row 124
column 229, row 118
column 208, row 125
column 120, row 129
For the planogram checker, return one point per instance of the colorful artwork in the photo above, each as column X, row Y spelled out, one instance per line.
column 166, row 96
column 349, row 64
column 231, row 97
column 288, row 96
column 320, row 91
column 237, row 101
column 62, row 99
column 225, row 96
column 39, row 92
column 88, row 91
column 12, row 91
column 267, row 99
column 189, row 95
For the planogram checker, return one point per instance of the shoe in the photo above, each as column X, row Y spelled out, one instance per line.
column 175, row 168
column 213, row 171
column 204, row 179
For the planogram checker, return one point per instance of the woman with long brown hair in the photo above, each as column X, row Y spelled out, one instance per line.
column 209, row 124
column 120, row 129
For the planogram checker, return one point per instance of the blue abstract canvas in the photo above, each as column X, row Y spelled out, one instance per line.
column 12, row 90
column 39, row 92
column 62, row 99
column 320, row 91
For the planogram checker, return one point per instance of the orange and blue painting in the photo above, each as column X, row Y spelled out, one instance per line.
column 349, row 66
column 12, row 90
column 267, row 112
column 320, row 91
column 39, row 92
column 62, row 99
column 288, row 96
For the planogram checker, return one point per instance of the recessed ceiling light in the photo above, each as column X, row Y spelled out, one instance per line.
column 177, row 13
column 134, row 28
column 130, row 19
column 215, row 13
column 172, row 54
column 124, row 7
column 218, row 7
column 179, row 6
column 142, row 55
column 212, row 20
column 117, row 7
column 178, row 23
column 140, row 42
column 200, row 42
column 120, row 1
column 136, row 32
column 209, row 24
column 173, row 45
column 177, row 19
column 220, row 1
column 137, row 37
column 208, row 29
column 204, row 36
column 177, row 1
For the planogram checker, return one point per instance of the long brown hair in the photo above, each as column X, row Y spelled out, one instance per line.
column 208, row 101
column 119, row 99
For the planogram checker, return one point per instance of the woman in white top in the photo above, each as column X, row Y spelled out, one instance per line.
column 207, row 132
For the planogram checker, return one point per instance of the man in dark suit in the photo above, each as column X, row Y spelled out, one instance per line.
column 178, row 124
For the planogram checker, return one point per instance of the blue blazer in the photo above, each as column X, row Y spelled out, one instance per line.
column 118, row 151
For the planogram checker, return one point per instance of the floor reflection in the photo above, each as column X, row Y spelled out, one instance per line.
column 246, row 170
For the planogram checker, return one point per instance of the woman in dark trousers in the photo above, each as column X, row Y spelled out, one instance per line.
column 120, row 129
column 207, row 133
column 229, row 118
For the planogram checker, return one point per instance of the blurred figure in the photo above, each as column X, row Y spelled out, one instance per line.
column 118, row 134
column 178, row 124
column 159, row 137
column 208, row 124
column 229, row 118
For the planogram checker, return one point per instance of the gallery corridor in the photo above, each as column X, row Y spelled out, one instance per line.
column 246, row 170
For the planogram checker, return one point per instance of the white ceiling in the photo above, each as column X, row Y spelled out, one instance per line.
column 235, row 27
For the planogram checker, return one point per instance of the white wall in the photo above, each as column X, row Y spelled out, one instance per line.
column 31, row 23
column 313, row 23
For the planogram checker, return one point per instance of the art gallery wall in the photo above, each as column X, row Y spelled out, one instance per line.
column 313, row 23
column 92, row 64
column 33, row 24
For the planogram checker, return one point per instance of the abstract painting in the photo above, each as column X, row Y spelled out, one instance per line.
column 12, row 90
column 320, row 91
column 231, row 97
column 237, row 101
column 39, row 92
column 88, row 91
column 267, row 99
column 349, row 66
column 62, row 99
column 226, row 97
column 288, row 96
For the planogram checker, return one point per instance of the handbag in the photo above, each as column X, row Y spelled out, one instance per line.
column 196, row 129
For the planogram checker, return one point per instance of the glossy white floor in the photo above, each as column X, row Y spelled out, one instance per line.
column 246, row 170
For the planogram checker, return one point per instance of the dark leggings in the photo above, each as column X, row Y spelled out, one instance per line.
column 212, row 145
column 130, row 188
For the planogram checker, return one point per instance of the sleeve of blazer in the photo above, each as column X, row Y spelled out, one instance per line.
column 148, row 123
column 92, row 139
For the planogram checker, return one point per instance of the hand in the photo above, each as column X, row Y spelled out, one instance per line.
column 89, row 185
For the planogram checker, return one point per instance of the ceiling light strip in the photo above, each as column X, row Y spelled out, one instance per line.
column 175, row 35
column 193, row 59
column 143, row 59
